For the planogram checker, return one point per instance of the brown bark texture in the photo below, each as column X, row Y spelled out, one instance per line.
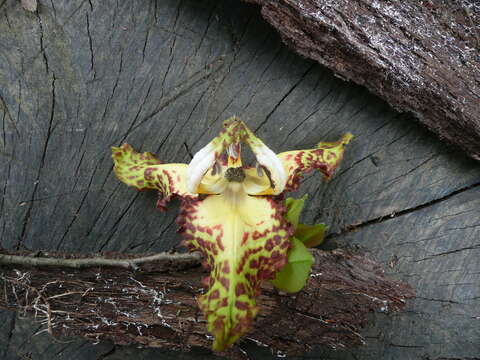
column 421, row 56
column 157, row 308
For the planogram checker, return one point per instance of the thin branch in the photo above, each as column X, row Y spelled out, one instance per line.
column 132, row 264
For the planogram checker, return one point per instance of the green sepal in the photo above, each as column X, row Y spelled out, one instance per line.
column 311, row 235
column 294, row 275
column 294, row 209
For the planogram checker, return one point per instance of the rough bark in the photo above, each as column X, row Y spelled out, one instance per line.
column 157, row 308
column 421, row 56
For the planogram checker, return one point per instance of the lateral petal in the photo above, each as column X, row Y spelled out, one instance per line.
column 325, row 157
column 144, row 171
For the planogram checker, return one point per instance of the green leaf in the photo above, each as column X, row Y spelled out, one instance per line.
column 294, row 275
column 311, row 235
column 294, row 209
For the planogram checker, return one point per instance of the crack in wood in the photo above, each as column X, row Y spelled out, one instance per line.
column 42, row 47
column 286, row 95
column 108, row 353
column 473, row 247
column 7, row 112
column 42, row 164
column 90, row 44
column 12, row 324
column 180, row 90
column 396, row 214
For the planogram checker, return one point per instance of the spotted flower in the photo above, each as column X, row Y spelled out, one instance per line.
column 234, row 214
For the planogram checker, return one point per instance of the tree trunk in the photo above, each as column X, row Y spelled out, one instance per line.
column 421, row 56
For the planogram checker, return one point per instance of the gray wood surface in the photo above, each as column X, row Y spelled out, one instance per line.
column 80, row 76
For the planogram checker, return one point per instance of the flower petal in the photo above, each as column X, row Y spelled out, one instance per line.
column 199, row 165
column 256, row 185
column 231, row 134
column 143, row 171
column 325, row 157
column 235, row 132
column 266, row 157
column 245, row 240
column 212, row 184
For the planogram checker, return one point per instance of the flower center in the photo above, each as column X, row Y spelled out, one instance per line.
column 235, row 174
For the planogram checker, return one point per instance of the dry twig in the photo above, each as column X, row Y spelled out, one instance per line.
column 126, row 263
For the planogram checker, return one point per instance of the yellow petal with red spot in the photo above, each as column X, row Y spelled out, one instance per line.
column 325, row 157
column 245, row 240
column 143, row 171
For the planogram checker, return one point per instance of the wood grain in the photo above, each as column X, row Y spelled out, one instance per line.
column 78, row 77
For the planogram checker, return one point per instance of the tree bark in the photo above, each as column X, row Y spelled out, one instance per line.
column 157, row 308
column 421, row 56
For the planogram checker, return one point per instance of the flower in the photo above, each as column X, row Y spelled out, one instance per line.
column 233, row 214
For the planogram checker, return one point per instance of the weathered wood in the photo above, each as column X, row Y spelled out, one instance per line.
column 139, row 71
column 421, row 56
column 156, row 308
column 436, row 248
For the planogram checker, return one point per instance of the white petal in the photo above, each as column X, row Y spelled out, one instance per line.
column 201, row 162
column 269, row 159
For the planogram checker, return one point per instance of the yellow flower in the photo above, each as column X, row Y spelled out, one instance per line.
column 232, row 213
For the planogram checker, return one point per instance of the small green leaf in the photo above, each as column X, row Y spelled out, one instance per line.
column 311, row 235
column 294, row 209
column 294, row 275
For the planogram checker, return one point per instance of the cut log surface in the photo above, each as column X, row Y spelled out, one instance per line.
column 77, row 77
column 421, row 56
